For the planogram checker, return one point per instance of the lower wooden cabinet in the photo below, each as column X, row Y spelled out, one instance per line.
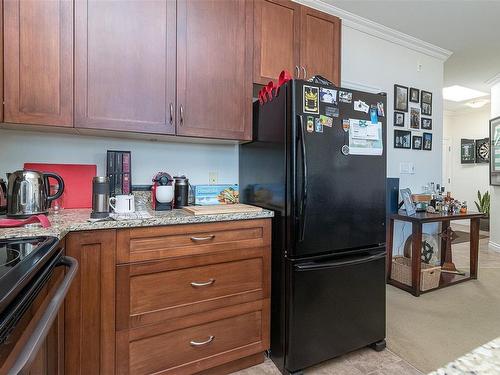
column 183, row 299
column 195, row 343
column 154, row 291
column 90, row 304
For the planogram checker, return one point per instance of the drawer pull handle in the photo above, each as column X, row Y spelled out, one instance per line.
column 200, row 239
column 198, row 343
column 196, row 285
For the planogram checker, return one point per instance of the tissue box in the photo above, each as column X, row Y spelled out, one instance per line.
column 216, row 194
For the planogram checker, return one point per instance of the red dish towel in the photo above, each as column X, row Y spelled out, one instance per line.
column 12, row 223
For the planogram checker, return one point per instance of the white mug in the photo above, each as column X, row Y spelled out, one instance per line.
column 122, row 204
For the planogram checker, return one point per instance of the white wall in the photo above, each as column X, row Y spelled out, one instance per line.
column 378, row 64
column 374, row 62
column 148, row 157
column 467, row 179
column 495, row 190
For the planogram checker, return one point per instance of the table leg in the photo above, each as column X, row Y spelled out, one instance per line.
column 447, row 265
column 444, row 229
column 416, row 251
column 474, row 247
column 389, row 241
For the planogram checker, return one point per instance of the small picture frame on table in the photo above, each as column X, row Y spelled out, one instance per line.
column 408, row 203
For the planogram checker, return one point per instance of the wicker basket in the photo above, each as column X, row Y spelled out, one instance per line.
column 401, row 271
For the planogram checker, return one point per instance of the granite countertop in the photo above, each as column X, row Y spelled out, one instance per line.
column 484, row 360
column 73, row 220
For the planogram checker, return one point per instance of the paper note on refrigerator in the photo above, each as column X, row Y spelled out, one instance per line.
column 365, row 138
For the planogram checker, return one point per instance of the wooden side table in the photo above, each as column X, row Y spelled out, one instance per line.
column 447, row 236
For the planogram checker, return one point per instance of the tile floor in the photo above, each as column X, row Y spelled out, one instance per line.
column 366, row 361
column 361, row 362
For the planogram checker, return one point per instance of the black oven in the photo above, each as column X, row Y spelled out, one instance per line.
column 35, row 277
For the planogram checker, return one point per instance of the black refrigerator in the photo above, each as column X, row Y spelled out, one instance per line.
column 318, row 160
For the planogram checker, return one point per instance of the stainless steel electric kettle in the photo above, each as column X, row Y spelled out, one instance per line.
column 28, row 193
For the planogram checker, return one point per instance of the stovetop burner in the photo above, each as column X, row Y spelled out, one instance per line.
column 9, row 257
column 20, row 261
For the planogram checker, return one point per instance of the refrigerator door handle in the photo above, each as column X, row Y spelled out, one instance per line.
column 338, row 263
column 303, row 204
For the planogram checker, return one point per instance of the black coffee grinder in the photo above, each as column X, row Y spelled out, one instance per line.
column 181, row 195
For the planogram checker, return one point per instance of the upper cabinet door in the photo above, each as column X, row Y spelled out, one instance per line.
column 125, row 65
column 320, row 44
column 276, row 39
column 214, row 68
column 38, row 62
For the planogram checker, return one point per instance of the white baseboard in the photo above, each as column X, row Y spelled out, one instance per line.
column 494, row 246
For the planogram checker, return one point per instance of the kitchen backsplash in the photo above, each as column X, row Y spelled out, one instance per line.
column 148, row 157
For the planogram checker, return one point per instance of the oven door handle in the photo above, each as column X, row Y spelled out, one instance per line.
column 30, row 350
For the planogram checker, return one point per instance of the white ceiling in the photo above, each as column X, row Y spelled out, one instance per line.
column 470, row 29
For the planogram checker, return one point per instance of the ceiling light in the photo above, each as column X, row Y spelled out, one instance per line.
column 477, row 103
column 458, row 93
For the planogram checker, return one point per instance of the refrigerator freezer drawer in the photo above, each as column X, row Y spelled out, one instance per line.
column 336, row 306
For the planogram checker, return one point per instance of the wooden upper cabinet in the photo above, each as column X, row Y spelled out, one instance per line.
column 38, row 62
column 276, row 39
column 214, row 68
column 125, row 65
column 320, row 44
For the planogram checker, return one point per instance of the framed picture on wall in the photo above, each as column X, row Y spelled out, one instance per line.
column 414, row 95
column 426, row 123
column 427, row 141
column 426, row 102
column 402, row 139
column 399, row 119
column 467, row 151
column 495, row 151
column 400, row 98
column 416, row 142
column 415, row 118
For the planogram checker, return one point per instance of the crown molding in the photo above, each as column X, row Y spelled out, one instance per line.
column 380, row 31
column 361, row 87
column 493, row 80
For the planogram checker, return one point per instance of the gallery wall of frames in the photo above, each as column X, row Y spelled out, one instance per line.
column 412, row 118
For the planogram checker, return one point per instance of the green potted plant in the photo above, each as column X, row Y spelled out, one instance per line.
column 483, row 206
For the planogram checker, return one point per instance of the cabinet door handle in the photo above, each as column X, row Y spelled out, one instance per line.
column 297, row 71
column 200, row 239
column 305, row 72
column 201, row 343
column 181, row 112
column 171, row 113
column 194, row 284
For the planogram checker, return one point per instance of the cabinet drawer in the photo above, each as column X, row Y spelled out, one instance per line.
column 189, row 345
column 141, row 244
column 154, row 291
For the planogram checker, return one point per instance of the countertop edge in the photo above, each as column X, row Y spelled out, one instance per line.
column 61, row 228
